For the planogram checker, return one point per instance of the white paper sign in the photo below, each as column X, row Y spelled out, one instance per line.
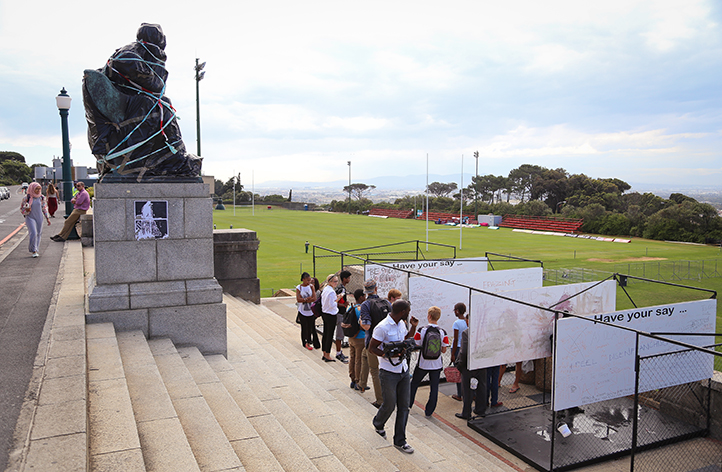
column 595, row 362
column 389, row 277
column 503, row 332
column 424, row 292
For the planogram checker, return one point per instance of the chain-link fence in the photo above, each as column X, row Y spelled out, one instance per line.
column 665, row 271
column 675, row 416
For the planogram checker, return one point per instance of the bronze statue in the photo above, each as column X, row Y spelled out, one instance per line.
column 132, row 127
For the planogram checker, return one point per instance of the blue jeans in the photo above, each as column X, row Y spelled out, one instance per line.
column 492, row 384
column 419, row 375
column 396, row 389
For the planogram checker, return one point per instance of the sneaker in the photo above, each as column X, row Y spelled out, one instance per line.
column 497, row 404
column 405, row 448
column 353, row 385
column 341, row 357
column 381, row 432
column 35, row 254
column 308, row 346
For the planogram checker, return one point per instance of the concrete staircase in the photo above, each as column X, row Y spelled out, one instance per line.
column 272, row 405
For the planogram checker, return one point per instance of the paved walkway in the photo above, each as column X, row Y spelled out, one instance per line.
column 26, row 291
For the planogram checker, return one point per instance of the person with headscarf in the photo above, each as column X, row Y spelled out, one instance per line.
column 34, row 207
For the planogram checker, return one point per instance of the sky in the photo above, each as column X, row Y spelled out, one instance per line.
column 293, row 90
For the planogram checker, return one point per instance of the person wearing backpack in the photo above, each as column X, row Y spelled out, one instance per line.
column 373, row 311
column 433, row 341
column 305, row 296
column 358, row 367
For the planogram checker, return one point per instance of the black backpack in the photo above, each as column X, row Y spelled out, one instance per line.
column 350, row 318
column 316, row 306
column 431, row 346
column 379, row 308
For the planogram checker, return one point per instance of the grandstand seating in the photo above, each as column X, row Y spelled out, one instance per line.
column 444, row 217
column 403, row 214
column 539, row 223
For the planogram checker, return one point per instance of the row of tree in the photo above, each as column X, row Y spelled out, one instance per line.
column 13, row 169
column 538, row 191
column 224, row 191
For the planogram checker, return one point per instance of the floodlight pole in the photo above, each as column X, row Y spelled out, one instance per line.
column 476, row 196
column 427, row 201
column 349, row 186
column 461, row 199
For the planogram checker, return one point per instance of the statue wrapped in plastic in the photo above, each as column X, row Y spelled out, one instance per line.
column 132, row 126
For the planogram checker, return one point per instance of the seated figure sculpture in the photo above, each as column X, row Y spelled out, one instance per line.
column 132, row 127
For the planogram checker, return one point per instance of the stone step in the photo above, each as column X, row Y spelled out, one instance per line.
column 164, row 443
column 209, row 444
column 445, row 444
column 287, row 454
column 113, row 438
column 336, row 421
column 245, row 440
column 318, row 419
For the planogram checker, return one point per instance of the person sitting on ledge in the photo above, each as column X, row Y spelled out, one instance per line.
column 81, row 204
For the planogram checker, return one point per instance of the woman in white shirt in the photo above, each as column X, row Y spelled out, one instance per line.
column 329, row 308
column 305, row 296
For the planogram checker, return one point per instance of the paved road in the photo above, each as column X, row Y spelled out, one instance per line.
column 26, row 289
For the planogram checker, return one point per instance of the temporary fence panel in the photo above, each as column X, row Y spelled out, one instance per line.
column 667, row 416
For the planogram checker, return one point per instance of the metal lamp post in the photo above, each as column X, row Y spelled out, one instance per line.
column 63, row 100
column 199, row 77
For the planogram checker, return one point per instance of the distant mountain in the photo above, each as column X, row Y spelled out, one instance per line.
column 409, row 182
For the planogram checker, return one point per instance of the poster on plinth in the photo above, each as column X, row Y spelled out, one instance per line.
column 595, row 362
column 425, row 292
column 389, row 276
column 503, row 331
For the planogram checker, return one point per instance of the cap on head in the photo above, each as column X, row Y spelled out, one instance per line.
column 369, row 286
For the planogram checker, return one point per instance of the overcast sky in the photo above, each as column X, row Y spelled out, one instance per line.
column 293, row 90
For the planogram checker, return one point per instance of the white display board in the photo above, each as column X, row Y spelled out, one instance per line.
column 424, row 292
column 503, row 331
column 595, row 362
column 388, row 277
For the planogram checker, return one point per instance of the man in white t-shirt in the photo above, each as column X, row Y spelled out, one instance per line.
column 394, row 376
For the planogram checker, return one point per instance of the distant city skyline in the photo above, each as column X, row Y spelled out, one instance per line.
column 624, row 88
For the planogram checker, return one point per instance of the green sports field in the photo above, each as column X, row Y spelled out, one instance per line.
column 282, row 257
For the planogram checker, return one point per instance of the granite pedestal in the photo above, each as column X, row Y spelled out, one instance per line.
column 154, row 263
column 234, row 254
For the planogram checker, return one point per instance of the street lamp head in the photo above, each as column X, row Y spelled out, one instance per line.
column 63, row 100
column 348, row 162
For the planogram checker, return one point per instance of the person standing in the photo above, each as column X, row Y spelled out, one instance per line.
column 344, row 278
column 434, row 346
column 329, row 310
column 305, row 296
column 459, row 326
column 81, row 204
column 52, row 196
column 395, row 380
column 358, row 367
column 373, row 311
column 478, row 395
column 33, row 207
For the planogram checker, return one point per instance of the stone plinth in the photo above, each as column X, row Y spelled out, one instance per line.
column 154, row 263
column 234, row 255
